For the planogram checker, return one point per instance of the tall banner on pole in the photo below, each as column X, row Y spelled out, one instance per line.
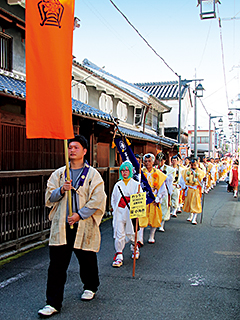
column 49, row 38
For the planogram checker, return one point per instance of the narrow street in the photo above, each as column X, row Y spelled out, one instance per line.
column 191, row 272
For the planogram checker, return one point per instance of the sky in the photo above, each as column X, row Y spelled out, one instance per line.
column 190, row 46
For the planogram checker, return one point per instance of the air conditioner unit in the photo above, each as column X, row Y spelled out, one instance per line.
column 161, row 131
column 15, row 2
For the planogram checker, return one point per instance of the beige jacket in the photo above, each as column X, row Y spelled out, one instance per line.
column 91, row 195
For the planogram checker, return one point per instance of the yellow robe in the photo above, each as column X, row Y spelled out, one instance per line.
column 209, row 176
column 220, row 172
column 192, row 201
column 153, row 213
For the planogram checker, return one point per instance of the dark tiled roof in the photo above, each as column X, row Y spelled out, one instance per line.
column 148, row 137
column 86, row 110
column 16, row 87
column 11, row 84
column 91, row 65
column 138, row 135
column 164, row 90
column 111, row 78
column 168, row 141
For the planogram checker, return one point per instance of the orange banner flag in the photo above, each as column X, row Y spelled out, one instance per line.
column 49, row 38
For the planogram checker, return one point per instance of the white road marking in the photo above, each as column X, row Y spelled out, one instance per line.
column 196, row 280
column 21, row 275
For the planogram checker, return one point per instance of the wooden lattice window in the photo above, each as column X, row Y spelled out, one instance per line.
column 5, row 52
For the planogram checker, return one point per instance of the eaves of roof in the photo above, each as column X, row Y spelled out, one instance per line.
column 101, row 76
column 12, row 84
column 85, row 110
column 148, row 137
column 15, row 86
column 164, row 90
column 91, row 65
column 126, row 86
column 168, row 109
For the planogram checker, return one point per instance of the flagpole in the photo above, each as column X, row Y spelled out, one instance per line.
column 69, row 195
column 201, row 219
column 136, row 227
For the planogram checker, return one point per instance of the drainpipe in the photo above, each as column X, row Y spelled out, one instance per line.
column 145, row 115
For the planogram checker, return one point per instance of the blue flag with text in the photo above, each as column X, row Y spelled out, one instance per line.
column 127, row 154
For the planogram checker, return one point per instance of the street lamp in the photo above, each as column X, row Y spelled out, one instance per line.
column 220, row 123
column 230, row 115
column 198, row 92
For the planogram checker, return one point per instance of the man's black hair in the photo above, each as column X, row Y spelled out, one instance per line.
column 137, row 156
column 81, row 139
column 194, row 160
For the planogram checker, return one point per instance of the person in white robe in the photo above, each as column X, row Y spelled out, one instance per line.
column 123, row 228
column 166, row 201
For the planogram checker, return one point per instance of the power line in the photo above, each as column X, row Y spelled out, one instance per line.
column 218, row 89
column 104, row 22
column 124, row 16
column 204, row 106
column 205, row 44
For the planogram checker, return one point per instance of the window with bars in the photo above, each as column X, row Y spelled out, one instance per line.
column 5, row 52
column 201, row 139
column 106, row 103
column 79, row 92
column 122, row 111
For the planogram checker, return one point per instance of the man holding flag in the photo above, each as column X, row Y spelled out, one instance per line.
column 49, row 27
column 78, row 233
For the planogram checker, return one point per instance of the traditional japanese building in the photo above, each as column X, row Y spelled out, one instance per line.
column 168, row 92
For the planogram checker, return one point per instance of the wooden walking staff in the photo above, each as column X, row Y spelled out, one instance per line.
column 203, row 193
column 69, row 195
column 136, row 227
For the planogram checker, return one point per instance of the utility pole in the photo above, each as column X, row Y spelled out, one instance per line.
column 179, row 108
column 195, row 120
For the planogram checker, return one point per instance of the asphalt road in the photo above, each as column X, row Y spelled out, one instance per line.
column 191, row 272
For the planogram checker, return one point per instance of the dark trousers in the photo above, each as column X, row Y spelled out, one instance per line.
column 60, row 257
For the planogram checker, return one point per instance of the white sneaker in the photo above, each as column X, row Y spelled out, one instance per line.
column 47, row 311
column 87, row 295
